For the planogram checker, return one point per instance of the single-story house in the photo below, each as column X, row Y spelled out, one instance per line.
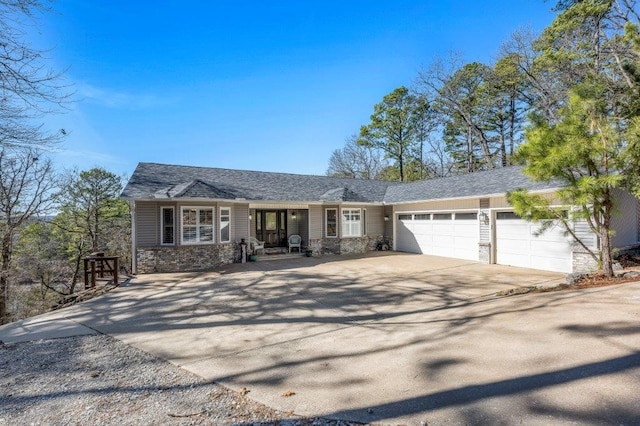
column 195, row 218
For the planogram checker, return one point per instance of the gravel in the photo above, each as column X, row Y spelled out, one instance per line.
column 99, row 380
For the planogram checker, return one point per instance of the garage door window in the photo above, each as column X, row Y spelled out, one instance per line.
column 422, row 217
column 442, row 216
column 507, row 216
column 466, row 216
column 405, row 217
column 351, row 224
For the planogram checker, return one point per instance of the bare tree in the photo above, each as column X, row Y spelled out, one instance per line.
column 29, row 90
column 356, row 161
column 27, row 185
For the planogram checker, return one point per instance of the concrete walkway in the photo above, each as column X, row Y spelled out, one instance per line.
column 385, row 338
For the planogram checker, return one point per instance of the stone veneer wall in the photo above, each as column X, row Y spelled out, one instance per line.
column 186, row 258
column 582, row 261
column 484, row 253
column 321, row 246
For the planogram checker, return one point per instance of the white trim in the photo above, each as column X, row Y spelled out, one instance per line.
column 436, row 211
column 162, row 208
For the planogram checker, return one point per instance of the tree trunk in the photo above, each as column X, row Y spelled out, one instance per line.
column 76, row 274
column 503, row 148
column 4, row 281
column 605, row 237
column 512, row 128
column 470, row 167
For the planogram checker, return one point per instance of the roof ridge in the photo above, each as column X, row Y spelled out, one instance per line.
column 341, row 179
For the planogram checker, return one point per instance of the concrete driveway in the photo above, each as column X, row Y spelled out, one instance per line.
column 385, row 338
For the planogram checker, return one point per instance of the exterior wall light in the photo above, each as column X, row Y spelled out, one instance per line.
column 484, row 218
column 386, row 218
column 293, row 215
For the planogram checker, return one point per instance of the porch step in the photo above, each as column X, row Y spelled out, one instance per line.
column 276, row 250
column 267, row 257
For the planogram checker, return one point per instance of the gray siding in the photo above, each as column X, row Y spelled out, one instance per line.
column 624, row 220
column 375, row 220
column 147, row 224
column 293, row 225
column 303, row 226
column 584, row 234
column 388, row 224
column 470, row 203
column 316, row 222
column 485, row 228
column 239, row 222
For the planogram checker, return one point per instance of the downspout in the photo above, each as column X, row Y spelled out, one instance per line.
column 394, row 231
column 134, row 253
column 309, row 226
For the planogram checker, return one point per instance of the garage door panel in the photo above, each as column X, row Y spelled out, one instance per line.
column 468, row 253
column 440, row 237
column 549, row 248
column 406, row 241
column 550, row 263
column 518, row 245
column 442, row 228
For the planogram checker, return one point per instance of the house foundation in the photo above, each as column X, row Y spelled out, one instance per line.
column 186, row 258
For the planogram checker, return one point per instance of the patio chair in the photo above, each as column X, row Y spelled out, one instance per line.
column 295, row 241
column 256, row 245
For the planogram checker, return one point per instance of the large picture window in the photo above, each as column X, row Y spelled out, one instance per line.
column 197, row 225
column 331, row 222
column 167, row 230
column 351, row 223
column 225, row 224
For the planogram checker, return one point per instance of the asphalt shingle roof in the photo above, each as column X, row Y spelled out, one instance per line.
column 497, row 181
column 157, row 181
column 162, row 181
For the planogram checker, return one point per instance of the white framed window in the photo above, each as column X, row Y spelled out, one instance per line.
column 351, row 223
column 225, row 224
column 331, row 223
column 168, row 226
column 197, row 225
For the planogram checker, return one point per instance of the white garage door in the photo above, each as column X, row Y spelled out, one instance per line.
column 517, row 245
column 440, row 234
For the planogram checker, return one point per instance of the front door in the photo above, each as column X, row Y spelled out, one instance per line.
column 271, row 227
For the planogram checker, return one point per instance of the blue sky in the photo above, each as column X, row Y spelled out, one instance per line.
column 273, row 86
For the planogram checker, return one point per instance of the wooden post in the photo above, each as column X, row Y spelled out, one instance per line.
column 93, row 272
column 86, row 273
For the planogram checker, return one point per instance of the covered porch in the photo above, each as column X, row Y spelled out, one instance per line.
column 273, row 225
